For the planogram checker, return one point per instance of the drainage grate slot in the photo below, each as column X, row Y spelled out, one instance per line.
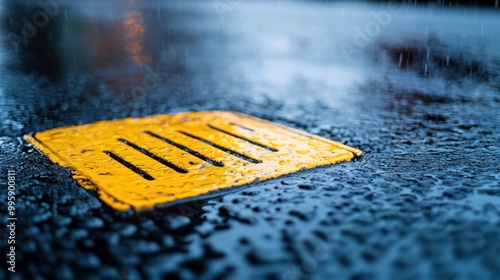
column 153, row 156
column 240, row 126
column 186, row 149
column 243, row 138
column 129, row 165
column 226, row 150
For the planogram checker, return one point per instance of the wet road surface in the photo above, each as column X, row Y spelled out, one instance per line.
column 416, row 89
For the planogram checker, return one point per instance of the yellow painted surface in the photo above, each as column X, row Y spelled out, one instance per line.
column 141, row 162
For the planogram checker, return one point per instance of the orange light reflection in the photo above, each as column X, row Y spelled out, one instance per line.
column 134, row 30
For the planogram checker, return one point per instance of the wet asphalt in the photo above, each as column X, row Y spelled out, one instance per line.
column 415, row 88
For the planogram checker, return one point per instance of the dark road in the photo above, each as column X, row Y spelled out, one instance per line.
column 415, row 87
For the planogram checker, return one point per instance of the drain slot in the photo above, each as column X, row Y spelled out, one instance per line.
column 240, row 126
column 153, row 156
column 129, row 165
column 226, row 150
column 243, row 138
column 186, row 149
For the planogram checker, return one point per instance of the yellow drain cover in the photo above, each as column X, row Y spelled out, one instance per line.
column 141, row 162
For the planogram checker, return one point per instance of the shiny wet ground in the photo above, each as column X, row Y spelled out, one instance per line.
column 418, row 95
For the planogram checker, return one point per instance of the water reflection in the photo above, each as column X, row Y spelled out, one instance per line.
column 95, row 40
column 134, row 33
column 30, row 34
column 118, row 42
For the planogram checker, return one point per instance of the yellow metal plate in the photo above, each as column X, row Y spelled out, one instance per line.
column 142, row 162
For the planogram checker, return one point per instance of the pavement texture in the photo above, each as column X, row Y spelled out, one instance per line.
column 417, row 91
